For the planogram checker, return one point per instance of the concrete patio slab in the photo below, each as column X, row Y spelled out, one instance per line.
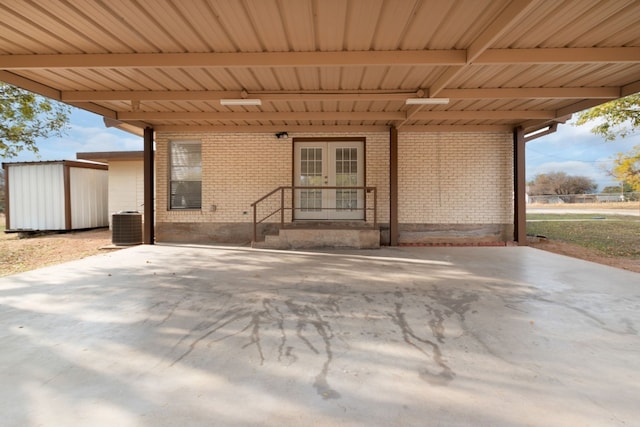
column 220, row 336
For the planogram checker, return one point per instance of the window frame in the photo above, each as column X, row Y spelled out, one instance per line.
column 171, row 181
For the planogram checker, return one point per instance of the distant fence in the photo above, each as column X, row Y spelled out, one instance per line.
column 585, row 198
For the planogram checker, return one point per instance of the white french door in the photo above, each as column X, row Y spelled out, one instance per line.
column 329, row 164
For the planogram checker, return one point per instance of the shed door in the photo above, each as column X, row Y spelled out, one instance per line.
column 329, row 164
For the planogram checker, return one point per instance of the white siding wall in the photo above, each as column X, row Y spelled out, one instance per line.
column 89, row 197
column 126, row 186
column 36, row 197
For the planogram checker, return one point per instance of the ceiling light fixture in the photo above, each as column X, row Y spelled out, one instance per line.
column 241, row 101
column 426, row 101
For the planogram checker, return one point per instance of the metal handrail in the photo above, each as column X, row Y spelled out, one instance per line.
column 267, row 195
column 282, row 207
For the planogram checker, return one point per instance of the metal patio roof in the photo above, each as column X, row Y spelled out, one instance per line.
column 330, row 65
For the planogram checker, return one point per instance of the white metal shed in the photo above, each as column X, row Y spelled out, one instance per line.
column 126, row 178
column 56, row 195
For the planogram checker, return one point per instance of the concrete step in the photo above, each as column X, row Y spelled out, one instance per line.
column 327, row 225
column 311, row 238
column 270, row 242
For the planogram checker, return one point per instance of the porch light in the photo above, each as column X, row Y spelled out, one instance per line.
column 426, row 101
column 241, row 101
column 282, row 135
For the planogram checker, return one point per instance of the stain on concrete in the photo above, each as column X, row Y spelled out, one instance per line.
column 309, row 315
column 211, row 328
column 274, row 329
column 457, row 301
column 254, row 325
column 437, row 324
column 367, row 298
column 442, row 374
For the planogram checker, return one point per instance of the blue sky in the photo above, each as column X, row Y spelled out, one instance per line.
column 87, row 132
column 572, row 149
column 576, row 151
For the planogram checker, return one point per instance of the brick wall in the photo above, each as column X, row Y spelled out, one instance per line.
column 239, row 168
column 455, row 178
column 377, row 151
column 444, row 178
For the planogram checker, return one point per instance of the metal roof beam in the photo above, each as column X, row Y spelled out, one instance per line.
column 54, row 94
column 30, row 85
column 533, row 93
column 581, row 105
column 293, row 115
column 331, row 128
column 320, row 59
column 204, row 95
column 503, row 22
column 457, row 58
column 457, row 128
column 230, row 60
column 630, row 89
column 484, row 115
column 338, row 115
column 595, row 55
column 271, row 128
column 382, row 95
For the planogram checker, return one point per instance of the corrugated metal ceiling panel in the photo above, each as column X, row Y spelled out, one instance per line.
column 465, row 21
column 586, row 20
column 366, row 26
column 298, row 24
column 362, row 24
column 593, row 23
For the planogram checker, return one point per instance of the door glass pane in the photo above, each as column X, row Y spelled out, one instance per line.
column 346, row 176
column 310, row 176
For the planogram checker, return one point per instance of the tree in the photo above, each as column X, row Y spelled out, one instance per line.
column 619, row 118
column 615, row 189
column 627, row 168
column 559, row 183
column 627, row 192
column 25, row 117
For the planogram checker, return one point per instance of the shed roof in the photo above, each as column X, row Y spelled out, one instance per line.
column 324, row 65
column 86, row 164
column 109, row 156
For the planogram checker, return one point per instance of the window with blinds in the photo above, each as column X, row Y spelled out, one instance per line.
column 186, row 175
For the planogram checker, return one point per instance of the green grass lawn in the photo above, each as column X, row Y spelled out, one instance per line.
column 613, row 235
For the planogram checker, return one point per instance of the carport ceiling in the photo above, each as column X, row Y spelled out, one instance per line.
column 324, row 64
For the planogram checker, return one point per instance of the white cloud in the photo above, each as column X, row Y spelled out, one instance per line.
column 576, row 151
